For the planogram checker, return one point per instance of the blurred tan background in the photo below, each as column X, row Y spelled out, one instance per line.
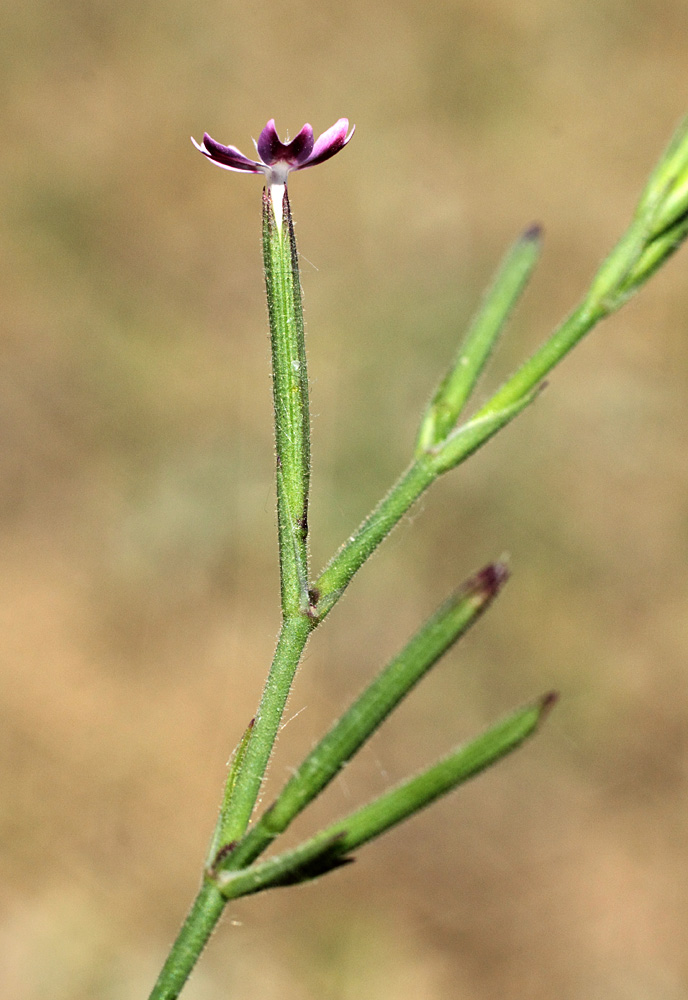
column 139, row 590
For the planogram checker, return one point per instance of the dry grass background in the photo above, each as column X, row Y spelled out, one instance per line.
column 138, row 581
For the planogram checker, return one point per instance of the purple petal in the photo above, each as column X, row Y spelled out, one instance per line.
column 300, row 148
column 269, row 144
column 329, row 143
column 228, row 157
column 272, row 150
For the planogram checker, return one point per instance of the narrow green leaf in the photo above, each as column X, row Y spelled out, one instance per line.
column 470, row 436
column 531, row 373
column 323, row 851
column 674, row 207
column 457, row 767
column 672, row 165
column 458, row 384
column 314, row 858
column 219, row 841
column 656, row 253
column 371, row 708
column 612, row 275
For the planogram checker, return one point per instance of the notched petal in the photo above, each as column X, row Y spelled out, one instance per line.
column 330, row 142
column 300, row 148
column 269, row 145
column 272, row 150
column 228, row 157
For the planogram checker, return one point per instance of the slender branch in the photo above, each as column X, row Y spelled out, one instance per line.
column 191, row 940
column 533, row 371
column 329, row 848
column 456, row 387
column 456, row 448
column 331, row 583
column 451, row 621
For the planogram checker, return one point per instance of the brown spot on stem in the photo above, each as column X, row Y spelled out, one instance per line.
column 222, row 854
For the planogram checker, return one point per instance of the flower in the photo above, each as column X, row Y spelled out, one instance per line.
column 278, row 158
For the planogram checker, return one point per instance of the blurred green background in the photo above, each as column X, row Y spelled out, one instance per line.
column 139, row 588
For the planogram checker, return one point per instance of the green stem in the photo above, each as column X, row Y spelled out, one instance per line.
column 191, row 940
column 329, row 586
column 532, row 372
column 256, row 755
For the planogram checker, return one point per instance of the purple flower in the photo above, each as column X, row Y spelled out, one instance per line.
column 278, row 158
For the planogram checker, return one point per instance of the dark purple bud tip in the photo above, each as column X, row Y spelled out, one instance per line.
column 533, row 233
column 489, row 580
column 547, row 703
